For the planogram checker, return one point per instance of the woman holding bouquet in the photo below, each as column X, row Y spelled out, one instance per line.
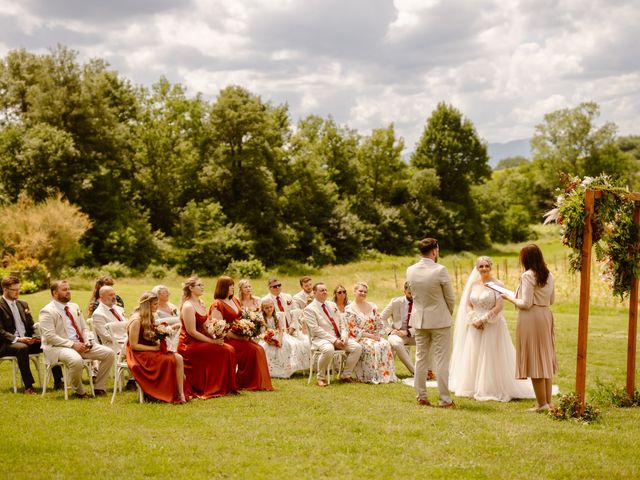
column 253, row 369
column 376, row 364
column 159, row 373
column 285, row 354
column 483, row 363
column 209, row 364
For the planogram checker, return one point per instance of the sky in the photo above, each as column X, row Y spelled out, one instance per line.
column 367, row 63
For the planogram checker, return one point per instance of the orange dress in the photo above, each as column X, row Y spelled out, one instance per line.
column 210, row 369
column 253, row 369
column 154, row 371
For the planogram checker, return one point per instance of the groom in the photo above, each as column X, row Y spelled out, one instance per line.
column 433, row 301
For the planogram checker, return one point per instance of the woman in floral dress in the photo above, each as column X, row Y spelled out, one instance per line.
column 285, row 353
column 376, row 364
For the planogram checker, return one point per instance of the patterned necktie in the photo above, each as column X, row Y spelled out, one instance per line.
column 409, row 318
column 335, row 327
column 73, row 322
column 115, row 314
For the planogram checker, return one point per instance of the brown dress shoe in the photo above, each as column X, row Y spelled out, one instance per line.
column 99, row 393
column 347, row 380
column 448, row 405
column 322, row 383
column 425, row 403
column 81, row 395
column 29, row 391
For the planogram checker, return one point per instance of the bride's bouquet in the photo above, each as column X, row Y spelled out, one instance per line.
column 270, row 338
column 249, row 325
column 216, row 327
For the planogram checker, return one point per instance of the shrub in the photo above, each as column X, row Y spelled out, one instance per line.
column 27, row 286
column 569, row 409
column 610, row 394
column 158, row 272
column 28, row 270
column 245, row 268
column 115, row 270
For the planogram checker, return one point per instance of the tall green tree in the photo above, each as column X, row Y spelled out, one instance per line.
column 451, row 146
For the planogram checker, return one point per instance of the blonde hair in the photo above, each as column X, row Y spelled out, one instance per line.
column 243, row 283
column 186, row 287
column 361, row 284
column 145, row 315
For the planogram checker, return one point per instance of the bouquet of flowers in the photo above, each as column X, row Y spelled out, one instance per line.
column 216, row 327
column 270, row 337
column 162, row 332
column 250, row 324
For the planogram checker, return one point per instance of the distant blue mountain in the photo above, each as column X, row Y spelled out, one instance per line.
column 498, row 151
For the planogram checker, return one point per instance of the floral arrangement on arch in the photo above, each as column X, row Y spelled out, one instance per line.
column 615, row 236
column 249, row 325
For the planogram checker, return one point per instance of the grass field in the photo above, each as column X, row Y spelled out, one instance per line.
column 344, row 431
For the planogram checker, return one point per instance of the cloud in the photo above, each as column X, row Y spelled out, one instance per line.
column 366, row 63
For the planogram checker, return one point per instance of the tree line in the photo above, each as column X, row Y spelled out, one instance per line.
column 164, row 178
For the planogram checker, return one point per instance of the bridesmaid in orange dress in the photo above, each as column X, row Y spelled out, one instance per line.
column 159, row 373
column 253, row 369
column 209, row 364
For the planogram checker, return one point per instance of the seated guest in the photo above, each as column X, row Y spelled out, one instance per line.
column 329, row 333
column 376, row 364
column 95, row 295
column 247, row 299
column 282, row 301
column 305, row 296
column 253, row 369
column 340, row 298
column 167, row 311
column 160, row 373
column 209, row 364
column 65, row 336
column 285, row 354
column 16, row 333
column 107, row 312
column 397, row 315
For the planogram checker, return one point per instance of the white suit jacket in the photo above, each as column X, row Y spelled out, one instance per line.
column 395, row 311
column 53, row 327
column 300, row 299
column 102, row 316
column 433, row 297
column 320, row 327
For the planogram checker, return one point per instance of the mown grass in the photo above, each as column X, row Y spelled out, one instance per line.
column 344, row 431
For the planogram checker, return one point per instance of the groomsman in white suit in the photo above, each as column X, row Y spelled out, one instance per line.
column 282, row 301
column 305, row 296
column 107, row 312
column 433, row 302
column 328, row 334
column 66, row 339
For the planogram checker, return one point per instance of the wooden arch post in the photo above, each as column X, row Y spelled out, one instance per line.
column 633, row 312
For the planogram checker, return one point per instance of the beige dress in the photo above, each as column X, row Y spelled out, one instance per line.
column 535, row 337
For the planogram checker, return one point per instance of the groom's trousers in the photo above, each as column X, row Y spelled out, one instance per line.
column 433, row 344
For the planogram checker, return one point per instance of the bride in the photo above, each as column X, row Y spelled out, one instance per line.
column 483, row 363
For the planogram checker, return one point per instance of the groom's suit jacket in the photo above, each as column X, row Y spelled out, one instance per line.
column 8, row 324
column 433, row 297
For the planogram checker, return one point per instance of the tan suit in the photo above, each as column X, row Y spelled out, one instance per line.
column 58, row 347
column 300, row 299
column 101, row 316
column 323, row 337
column 433, row 302
column 397, row 311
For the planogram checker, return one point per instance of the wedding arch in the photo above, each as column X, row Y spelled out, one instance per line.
column 593, row 211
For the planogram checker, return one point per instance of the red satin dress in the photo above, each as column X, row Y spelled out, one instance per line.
column 210, row 369
column 253, row 369
column 154, row 371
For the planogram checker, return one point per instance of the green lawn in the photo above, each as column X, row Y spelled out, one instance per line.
column 344, row 431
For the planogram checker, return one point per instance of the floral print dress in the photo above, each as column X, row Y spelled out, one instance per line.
column 376, row 365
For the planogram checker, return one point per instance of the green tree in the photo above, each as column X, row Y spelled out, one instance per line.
column 510, row 162
column 451, row 146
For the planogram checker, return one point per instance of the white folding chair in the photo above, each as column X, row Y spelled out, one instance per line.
column 114, row 329
column 35, row 359
column 314, row 358
column 48, row 365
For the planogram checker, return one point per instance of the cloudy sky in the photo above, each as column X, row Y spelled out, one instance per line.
column 503, row 63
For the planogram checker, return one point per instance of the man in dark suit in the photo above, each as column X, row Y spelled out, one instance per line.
column 16, row 333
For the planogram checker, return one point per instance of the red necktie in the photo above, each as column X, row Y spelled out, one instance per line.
column 282, row 310
column 335, row 327
column 73, row 322
column 115, row 314
column 409, row 318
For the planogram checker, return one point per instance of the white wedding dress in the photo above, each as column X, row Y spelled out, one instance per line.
column 483, row 362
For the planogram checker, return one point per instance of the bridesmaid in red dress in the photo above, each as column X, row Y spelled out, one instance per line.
column 253, row 369
column 159, row 373
column 209, row 364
